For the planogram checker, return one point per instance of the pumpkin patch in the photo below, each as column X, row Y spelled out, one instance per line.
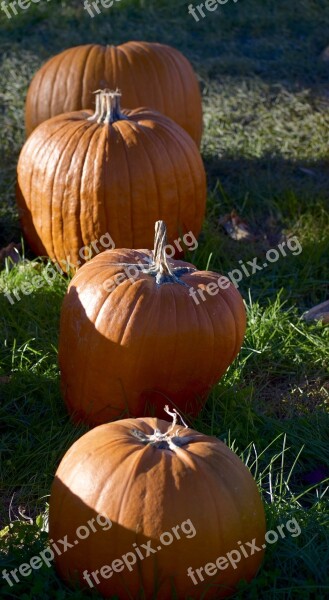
column 143, row 271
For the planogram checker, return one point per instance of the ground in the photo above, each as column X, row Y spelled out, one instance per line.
column 265, row 84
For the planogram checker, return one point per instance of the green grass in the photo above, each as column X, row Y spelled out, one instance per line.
column 265, row 147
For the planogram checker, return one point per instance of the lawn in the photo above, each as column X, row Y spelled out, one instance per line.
column 265, row 86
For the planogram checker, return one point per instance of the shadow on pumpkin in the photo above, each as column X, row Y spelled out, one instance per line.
column 94, row 368
column 121, row 561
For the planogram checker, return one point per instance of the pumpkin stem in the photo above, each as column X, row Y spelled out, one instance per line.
column 107, row 107
column 169, row 440
column 158, row 266
column 174, row 416
column 159, row 252
column 161, row 269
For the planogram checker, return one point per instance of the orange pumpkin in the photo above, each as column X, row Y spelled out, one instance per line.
column 148, row 74
column 154, row 503
column 81, row 176
column 135, row 329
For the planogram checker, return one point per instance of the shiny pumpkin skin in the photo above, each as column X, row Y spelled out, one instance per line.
column 148, row 74
column 127, row 346
column 145, row 491
column 78, row 179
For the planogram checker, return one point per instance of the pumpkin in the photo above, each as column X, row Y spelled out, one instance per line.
column 144, row 504
column 81, row 176
column 148, row 74
column 137, row 327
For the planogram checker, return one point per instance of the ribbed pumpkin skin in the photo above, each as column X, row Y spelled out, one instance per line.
column 78, row 179
column 129, row 350
column 148, row 74
column 146, row 491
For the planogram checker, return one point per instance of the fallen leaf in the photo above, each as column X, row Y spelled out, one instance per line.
column 5, row 379
column 320, row 312
column 236, row 228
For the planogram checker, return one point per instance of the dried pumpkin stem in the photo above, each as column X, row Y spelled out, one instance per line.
column 159, row 252
column 161, row 268
column 170, row 440
column 107, row 107
column 174, row 414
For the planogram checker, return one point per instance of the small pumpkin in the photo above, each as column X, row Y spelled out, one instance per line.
column 148, row 74
column 135, row 329
column 84, row 175
column 154, row 502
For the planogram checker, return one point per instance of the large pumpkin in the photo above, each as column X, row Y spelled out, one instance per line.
column 148, row 74
column 146, row 506
column 137, row 328
column 81, row 176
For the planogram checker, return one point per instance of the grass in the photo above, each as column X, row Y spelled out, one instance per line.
column 266, row 115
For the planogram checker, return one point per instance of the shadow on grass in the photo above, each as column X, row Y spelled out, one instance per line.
column 271, row 191
column 256, row 39
column 267, row 178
